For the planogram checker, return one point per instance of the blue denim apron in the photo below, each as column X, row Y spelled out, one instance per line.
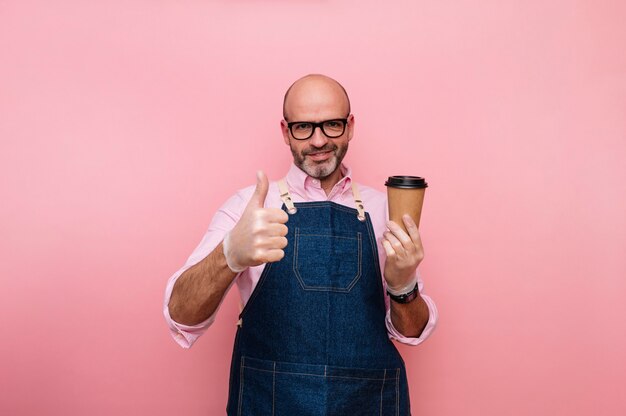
column 312, row 338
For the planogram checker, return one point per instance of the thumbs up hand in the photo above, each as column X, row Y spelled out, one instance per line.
column 259, row 236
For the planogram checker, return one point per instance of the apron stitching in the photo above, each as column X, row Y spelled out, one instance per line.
column 314, row 375
column 267, row 368
column 381, row 393
column 397, row 392
column 296, row 238
column 241, row 385
column 360, row 254
column 325, row 289
column 330, row 235
column 273, row 388
column 334, row 204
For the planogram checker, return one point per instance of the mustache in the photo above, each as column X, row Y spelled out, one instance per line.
column 328, row 148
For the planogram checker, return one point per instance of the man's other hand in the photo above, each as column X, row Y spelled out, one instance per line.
column 259, row 236
column 404, row 253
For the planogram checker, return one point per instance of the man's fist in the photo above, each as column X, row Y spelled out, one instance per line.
column 259, row 236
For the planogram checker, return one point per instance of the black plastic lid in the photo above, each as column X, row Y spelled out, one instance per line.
column 408, row 182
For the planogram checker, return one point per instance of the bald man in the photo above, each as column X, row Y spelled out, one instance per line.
column 326, row 280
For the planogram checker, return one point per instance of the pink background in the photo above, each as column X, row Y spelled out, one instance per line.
column 125, row 124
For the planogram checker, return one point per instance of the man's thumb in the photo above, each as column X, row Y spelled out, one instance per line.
column 260, row 193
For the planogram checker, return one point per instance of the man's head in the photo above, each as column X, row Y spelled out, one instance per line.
column 317, row 98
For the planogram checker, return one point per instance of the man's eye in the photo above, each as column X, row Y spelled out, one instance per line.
column 332, row 124
column 303, row 126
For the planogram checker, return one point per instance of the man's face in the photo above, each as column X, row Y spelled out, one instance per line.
column 319, row 156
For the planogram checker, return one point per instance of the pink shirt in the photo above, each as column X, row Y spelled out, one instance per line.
column 303, row 188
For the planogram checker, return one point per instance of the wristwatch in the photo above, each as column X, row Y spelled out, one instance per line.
column 405, row 298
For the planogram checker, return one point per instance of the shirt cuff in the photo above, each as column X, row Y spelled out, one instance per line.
column 184, row 335
column 433, row 316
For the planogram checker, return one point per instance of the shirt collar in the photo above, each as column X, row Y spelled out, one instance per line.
column 299, row 181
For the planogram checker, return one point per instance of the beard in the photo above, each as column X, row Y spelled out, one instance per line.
column 324, row 168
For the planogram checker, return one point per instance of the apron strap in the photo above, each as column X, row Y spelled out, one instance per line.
column 240, row 321
column 286, row 198
column 358, row 201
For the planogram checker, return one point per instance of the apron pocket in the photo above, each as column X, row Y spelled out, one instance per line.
column 281, row 388
column 326, row 260
column 363, row 392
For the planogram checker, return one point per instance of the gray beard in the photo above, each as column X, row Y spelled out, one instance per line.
column 320, row 170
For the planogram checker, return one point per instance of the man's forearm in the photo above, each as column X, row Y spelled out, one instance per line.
column 199, row 290
column 410, row 318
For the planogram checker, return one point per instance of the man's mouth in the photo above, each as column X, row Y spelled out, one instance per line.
column 317, row 156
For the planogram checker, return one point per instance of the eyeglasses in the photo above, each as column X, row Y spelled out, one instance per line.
column 302, row 130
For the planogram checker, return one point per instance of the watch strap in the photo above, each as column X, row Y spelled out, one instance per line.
column 406, row 297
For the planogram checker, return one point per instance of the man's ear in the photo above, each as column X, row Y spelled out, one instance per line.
column 285, row 130
column 350, row 126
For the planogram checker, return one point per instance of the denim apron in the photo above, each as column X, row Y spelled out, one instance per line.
column 312, row 339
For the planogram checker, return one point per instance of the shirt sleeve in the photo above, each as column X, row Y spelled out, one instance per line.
column 430, row 325
column 433, row 314
column 223, row 221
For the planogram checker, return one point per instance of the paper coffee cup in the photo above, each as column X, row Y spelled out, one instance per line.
column 405, row 195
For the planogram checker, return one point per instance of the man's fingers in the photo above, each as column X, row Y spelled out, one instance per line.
column 412, row 229
column 395, row 243
column 275, row 215
column 388, row 249
column 277, row 242
column 267, row 254
column 274, row 255
column 415, row 236
column 401, row 236
column 277, row 229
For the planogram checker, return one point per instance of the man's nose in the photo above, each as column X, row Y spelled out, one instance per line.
column 318, row 139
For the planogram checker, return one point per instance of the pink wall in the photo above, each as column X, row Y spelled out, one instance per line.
column 125, row 124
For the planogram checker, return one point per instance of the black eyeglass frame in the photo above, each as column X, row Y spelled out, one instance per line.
column 320, row 125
